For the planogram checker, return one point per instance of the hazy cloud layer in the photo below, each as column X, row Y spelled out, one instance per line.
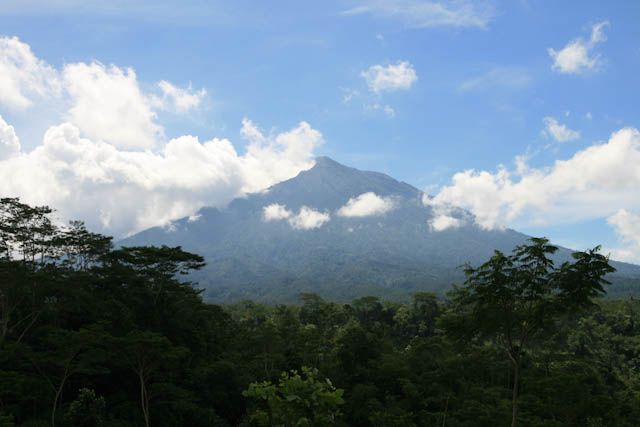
column 421, row 14
column 508, row 77
column 366, row 204
column 577, row 56
column 560, row 133
column 390, row 78
column 595, row 183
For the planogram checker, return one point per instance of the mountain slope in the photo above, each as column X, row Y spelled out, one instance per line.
column 391, row 254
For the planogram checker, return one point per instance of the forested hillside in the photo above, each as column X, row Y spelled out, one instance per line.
column 96, row 336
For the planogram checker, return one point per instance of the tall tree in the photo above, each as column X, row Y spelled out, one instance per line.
column 513, row 300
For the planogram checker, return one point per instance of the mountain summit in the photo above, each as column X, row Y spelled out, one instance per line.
column 333, row 230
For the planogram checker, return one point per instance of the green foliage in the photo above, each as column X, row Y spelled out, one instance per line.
column 297, row 400
column 87, row 410
column 125, row 328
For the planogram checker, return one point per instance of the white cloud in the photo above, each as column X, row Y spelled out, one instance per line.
column 390, row 78
column 120, row 192
column 179, row 100
column 595, row 183
column 442, row 218
column 308, row 219
column 275, row 212
column 366, row 204
column 23, row 77
column 9, row 142
column 275, row 158
column 576, row 56
column 422, row 14
column 588, row 115
column 108, row 105
column 443, row 222
column 627, row 226
column 90, row 167
column 560, row 133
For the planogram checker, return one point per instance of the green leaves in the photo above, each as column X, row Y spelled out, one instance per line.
column 297, row 400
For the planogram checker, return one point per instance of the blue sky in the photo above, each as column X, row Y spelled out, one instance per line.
column 129, row 114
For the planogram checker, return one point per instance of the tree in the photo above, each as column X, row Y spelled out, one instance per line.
column 87, row 410
column 297, row 400
column 513, row 300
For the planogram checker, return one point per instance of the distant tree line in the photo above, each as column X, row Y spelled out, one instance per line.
column 91, row 335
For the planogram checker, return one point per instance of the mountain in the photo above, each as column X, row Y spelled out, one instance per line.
column 390, row 253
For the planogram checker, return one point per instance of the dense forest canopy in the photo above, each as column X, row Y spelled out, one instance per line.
column 96, row 336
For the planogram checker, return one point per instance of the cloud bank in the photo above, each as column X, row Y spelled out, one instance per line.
column 106, row 161
column 600, row 181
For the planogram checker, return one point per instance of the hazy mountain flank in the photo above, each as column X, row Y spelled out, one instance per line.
column 339, row 232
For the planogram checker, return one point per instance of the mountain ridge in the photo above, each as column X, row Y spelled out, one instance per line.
column 389, row 254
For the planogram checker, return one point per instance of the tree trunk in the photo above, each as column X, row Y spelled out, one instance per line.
column 144, row 398
column 515, row 395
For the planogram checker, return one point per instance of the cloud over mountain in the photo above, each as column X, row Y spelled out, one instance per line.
column 366, row 204
column 595, row 182
column 90, row 165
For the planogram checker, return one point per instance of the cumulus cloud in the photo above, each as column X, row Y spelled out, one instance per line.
column 422, row 14
column 627, row 226
column 560, row 133
column 275, row 212
column 390, row 78
column 9, row 142
column 177, row 99
column 105, row 102
column 23, row 77
column 577, row 57
column 308, row 219
column 120, row 192
column 595, row 183
column 276, row 157
column 108, row 105
column 366, row 204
